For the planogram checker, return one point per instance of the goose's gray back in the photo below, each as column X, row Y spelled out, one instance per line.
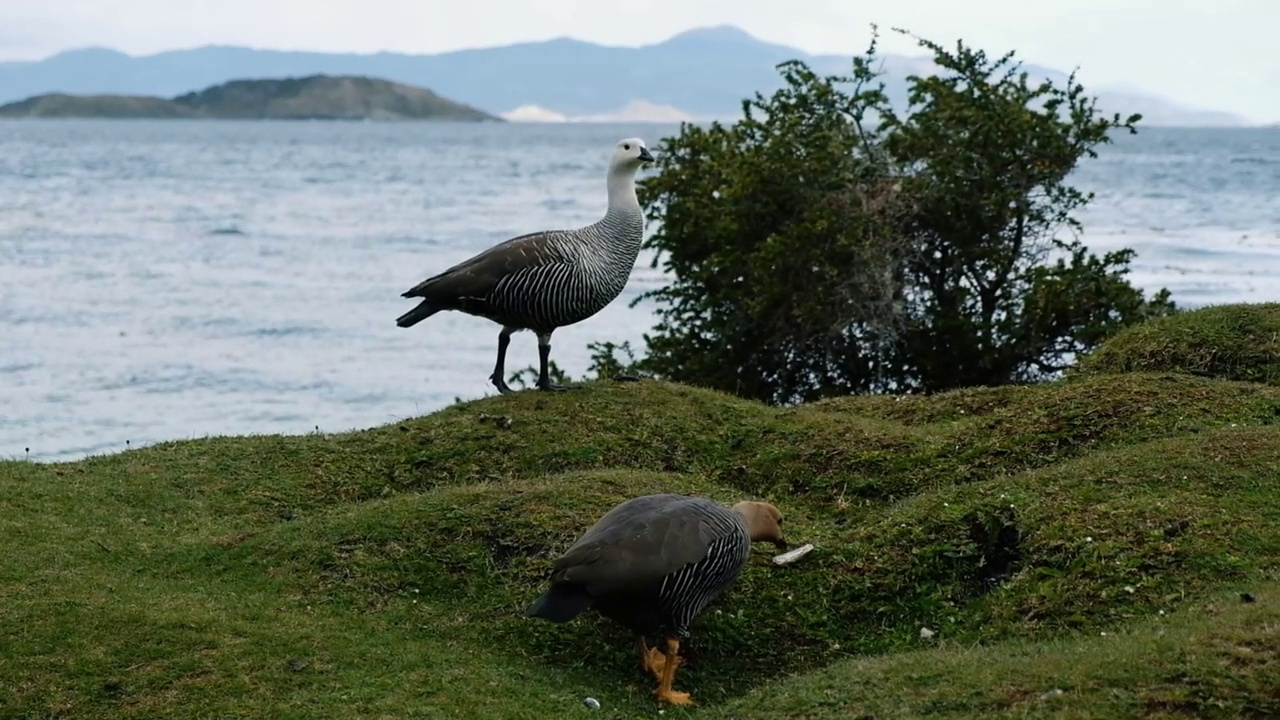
column 578, row 273
column 658, row 559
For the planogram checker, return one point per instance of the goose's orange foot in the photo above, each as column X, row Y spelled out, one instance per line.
column 673, row 697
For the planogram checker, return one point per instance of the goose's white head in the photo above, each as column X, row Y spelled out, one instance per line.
column 629, row 154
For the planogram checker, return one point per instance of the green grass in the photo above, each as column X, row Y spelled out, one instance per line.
column 1236, row 342
column 382, row 573
column 1214, row 659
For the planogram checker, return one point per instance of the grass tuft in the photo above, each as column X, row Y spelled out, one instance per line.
column 1233, row 342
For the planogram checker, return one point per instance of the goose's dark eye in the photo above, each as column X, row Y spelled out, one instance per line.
column 626, row 147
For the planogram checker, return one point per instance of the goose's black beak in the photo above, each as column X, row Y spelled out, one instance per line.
column 645, row 156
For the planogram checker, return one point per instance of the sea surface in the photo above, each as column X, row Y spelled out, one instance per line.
column 164, row 280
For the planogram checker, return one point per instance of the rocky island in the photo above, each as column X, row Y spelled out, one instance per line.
column 316, row 97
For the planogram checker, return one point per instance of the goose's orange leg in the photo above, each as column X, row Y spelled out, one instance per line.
column 651, row 660
column 671, row 662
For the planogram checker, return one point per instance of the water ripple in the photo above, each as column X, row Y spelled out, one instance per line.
column 170, row 280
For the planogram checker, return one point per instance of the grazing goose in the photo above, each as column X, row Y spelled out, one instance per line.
column 652, row 564
column 546, row 280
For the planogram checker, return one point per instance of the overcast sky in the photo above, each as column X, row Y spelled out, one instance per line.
column 1220, row 54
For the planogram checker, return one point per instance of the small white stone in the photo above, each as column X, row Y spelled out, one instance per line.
column 926, row 633
column 1129, row 589
column 592, row 703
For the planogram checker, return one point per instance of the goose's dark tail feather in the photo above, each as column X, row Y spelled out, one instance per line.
column 423, row 311
column 559, row 604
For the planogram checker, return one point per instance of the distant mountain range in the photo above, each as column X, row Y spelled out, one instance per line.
column 316, row 97
column 699, row 74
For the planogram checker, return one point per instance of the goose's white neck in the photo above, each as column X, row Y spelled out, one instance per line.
column 621, row 184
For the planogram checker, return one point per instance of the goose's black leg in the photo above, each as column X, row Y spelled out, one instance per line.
column 544, row 355
column 504, row 339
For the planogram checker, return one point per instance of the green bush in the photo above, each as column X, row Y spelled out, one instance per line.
column 827, row 245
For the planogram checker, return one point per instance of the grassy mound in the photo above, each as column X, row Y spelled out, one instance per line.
column 1234, row 342
column 1217, row 659
column 383, row 572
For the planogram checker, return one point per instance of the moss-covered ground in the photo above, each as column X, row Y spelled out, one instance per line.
column 1105, row 546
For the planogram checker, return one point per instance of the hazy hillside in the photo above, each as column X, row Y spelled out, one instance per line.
column 314, row 97
column 700, row 73
column 101, row 106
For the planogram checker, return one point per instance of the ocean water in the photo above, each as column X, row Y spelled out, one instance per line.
column 168, row 280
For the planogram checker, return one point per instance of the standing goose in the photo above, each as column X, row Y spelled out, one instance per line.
column 546, row 280
column 652, row 564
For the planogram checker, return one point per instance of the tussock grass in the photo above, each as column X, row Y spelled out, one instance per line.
column 1236, row 342
column 382, row 573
